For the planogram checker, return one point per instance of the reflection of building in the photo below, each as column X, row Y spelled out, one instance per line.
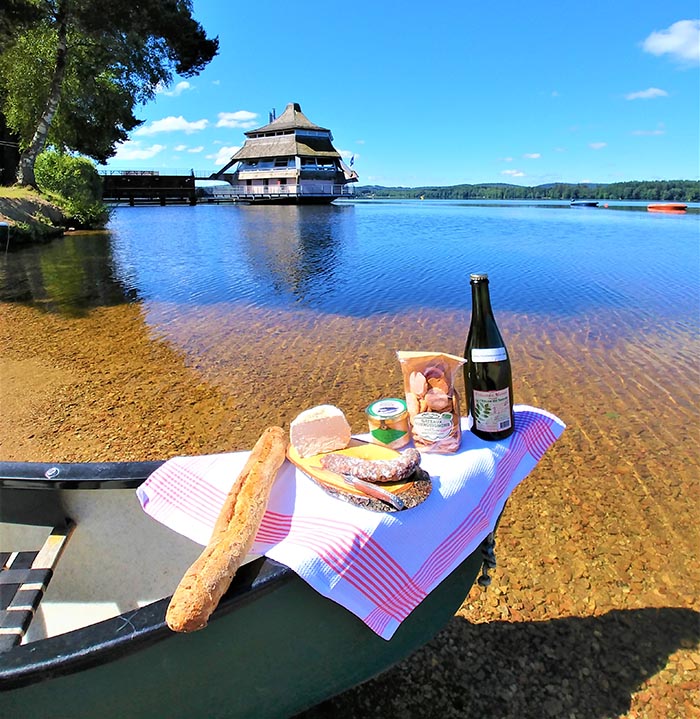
column 290, row 161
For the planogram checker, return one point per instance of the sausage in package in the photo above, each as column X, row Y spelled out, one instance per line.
column 432, row 400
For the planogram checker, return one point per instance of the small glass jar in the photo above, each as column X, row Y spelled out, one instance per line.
column 388, row 423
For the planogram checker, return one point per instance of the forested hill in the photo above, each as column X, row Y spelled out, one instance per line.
column 652, row 191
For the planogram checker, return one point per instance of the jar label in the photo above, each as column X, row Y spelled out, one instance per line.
column 491, row 354
column 391, row 408
column 492, row 410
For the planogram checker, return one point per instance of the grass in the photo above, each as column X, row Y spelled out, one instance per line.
column 15, row 192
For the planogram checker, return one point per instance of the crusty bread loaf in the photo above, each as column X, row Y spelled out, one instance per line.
column 207, row 580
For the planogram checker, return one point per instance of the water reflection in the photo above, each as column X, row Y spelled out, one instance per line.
column 70, row 275
column 295, row 249
column 272, row 256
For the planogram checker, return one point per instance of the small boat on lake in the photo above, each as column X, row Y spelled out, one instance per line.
column 584, row 203
column 95, row 643
column 670, row 207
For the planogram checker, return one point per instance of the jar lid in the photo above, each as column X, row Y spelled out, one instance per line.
column 390, row 408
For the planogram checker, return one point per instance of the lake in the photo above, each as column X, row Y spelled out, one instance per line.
column 187, row 330
column 369, row 258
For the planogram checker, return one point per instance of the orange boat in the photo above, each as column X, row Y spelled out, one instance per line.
column 673, row 207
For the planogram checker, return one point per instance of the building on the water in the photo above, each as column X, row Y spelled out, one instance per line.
column 290, row 160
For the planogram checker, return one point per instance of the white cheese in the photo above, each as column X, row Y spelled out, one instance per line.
column 319, row 429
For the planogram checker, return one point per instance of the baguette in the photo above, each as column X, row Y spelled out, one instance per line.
column 207, row 580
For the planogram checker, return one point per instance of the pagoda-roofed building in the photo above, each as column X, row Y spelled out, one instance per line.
column 289, row 160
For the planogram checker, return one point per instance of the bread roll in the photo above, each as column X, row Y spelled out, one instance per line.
column 207, row 580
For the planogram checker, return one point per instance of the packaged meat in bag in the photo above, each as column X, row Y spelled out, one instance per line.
column 432, row 400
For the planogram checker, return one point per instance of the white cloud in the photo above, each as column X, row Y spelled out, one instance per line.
column 196, row 149
column 180, row 148
column 507, row 159
column 223, row 155
column 360, row 142
column 597, row 145
column 132, row 150
column 658, row 131
column 513, row 173
column 681, row 41
column 532, row 155
column 240, row 118
column 172, row 124
column 648, row 94
column 181, row 87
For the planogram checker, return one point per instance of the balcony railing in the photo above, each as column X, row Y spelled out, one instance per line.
column 231, row 192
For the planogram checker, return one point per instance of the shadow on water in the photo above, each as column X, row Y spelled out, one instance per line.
column 583, row 667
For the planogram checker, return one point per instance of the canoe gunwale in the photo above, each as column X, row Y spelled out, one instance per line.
column 75, row 475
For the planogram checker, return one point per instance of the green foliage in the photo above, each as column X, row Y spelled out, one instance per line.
column 24, row 67
column 75, row 186
column 72, row 71
column 15, row 16
column 649, row 191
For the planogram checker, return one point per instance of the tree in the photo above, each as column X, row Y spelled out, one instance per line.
column 75, row 75
column 15, row 15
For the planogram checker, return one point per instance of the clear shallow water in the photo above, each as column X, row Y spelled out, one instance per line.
column 369, row 258
column 188, row 330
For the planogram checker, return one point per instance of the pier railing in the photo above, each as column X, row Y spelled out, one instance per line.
column 241, row 192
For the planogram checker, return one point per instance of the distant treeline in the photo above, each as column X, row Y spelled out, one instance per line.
column 653, row 191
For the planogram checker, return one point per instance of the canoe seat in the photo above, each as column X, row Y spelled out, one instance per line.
column 23, row 580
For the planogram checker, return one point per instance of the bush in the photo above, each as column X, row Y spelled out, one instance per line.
column 75, row 185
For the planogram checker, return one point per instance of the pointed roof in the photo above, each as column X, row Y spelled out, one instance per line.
column 291, row 119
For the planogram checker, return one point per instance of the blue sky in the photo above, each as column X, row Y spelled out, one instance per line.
column 442, row 93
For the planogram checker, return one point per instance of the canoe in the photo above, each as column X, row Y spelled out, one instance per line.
column 98, row 645
column 672, row 207
column 584, row 203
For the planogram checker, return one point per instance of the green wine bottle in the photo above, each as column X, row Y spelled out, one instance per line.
column 488, row 380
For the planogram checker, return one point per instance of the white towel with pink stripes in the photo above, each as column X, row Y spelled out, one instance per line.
column 378, row 565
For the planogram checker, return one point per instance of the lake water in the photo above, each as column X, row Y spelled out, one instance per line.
column 189, row 329
column 334, row 291
column 363, row 259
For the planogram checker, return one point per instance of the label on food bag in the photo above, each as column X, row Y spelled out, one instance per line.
column 492, row 410
column 490, row 354
column 432, row 426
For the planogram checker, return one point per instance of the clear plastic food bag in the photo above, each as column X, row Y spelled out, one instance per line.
column 432, row 400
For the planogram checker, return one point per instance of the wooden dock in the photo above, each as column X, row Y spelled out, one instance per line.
column 148, row 188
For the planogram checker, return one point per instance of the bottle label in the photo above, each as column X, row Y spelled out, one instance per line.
column 492, row 354
column 492, row 410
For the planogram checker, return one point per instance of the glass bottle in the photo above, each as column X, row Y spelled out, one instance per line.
column 488, row 380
